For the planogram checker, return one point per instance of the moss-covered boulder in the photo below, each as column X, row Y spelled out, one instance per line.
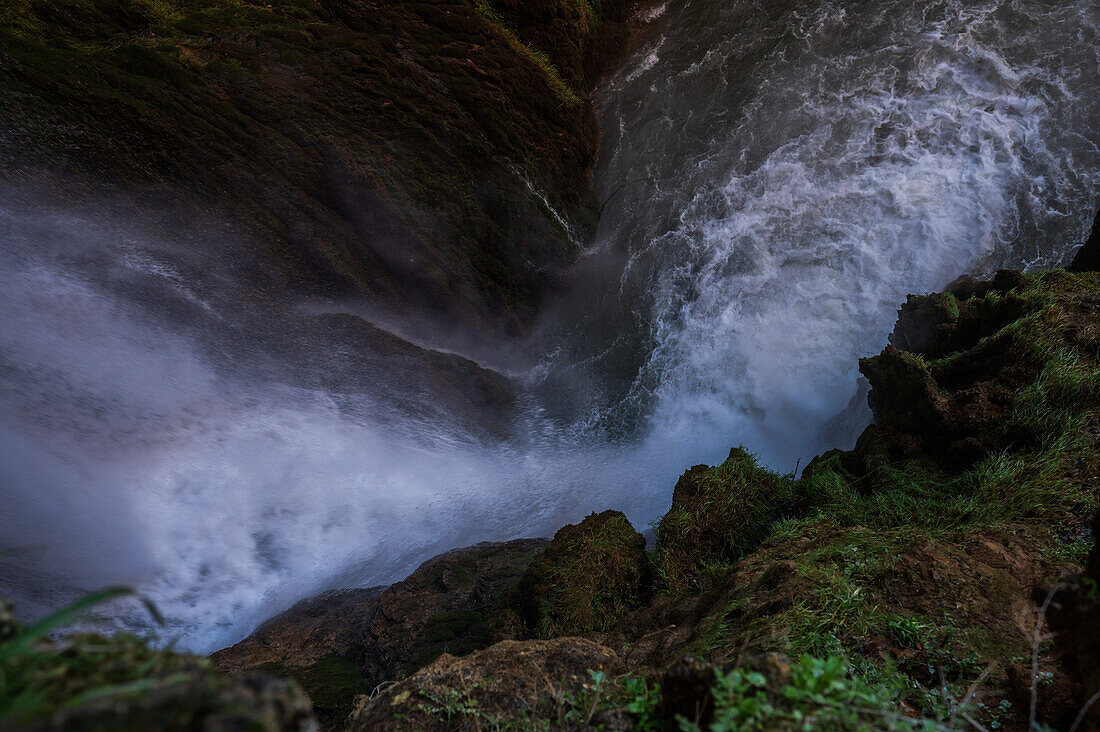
column 592, row 574
column 965, row 356
column 512, row 685
column 718, row 515
column 93, row 682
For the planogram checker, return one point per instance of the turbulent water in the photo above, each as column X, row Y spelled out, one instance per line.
column 776, row 177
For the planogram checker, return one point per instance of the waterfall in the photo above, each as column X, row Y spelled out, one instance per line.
column 777, row 176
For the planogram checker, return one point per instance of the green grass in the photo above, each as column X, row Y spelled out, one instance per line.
column 565, row 94
column 849, row 531
column 39, row 675
column 332, row 683
column 588, row 579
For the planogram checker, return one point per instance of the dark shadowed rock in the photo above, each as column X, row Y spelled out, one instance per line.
column 1087, row 258
column 408, row 152
column 946, row 387
column 1075, row 620
column 201, row 701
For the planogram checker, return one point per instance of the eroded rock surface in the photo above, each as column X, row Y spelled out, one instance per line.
column 511, row 681
column 347, row 642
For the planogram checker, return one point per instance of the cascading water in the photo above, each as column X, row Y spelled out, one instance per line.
column 777, row 177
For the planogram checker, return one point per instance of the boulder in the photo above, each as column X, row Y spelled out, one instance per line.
column 501, row 687
column 718, row 515
column 592, row 574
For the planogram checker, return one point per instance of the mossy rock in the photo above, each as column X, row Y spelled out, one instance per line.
column 93, row 682
column 592, row 574
column 718, row 515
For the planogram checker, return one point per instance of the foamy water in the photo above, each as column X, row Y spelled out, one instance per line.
column 776, row 180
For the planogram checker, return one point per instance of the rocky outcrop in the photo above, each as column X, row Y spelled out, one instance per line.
column 909, row 573
column 717, row 516
column 510, row 682
column 592, row 575
column 948, row 395
column 345, row 643
column 1087, row 258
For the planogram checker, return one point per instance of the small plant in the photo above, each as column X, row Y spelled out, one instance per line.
column 450, row 703
column 820, row 693
column 641, row 701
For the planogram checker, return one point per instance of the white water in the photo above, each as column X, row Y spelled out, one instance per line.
column 777, row 180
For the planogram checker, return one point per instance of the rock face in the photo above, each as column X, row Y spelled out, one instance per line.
column 510, row 682
column 348, row 642
column 592, row 574
column 1087, row 258
column 417, row 153
column 951, row 409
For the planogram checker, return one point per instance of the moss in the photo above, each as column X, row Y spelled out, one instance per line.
column 456, row 632
column 332, row 683
column 718, row 515
column 588, row 579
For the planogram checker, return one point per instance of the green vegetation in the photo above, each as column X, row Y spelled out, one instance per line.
column 814, row 694
column 94, row 682
column 38, row 676
column 896, row 572
column 588, row 579
column 458, row 708
column 456, row 632
column 564, row 93
column 883, row 563
column 718, row 515
column 332, row 683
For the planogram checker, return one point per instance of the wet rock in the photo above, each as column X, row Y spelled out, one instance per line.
column 590, row 576
column 394, row 151
column 418, row 384
column 310, row 630
column 1087, row 258
column 357, row 639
